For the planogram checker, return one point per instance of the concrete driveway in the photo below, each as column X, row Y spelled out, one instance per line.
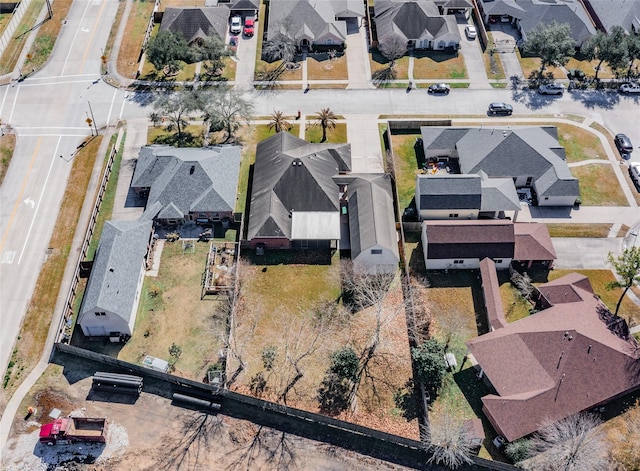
column 584, row 252
column 506, row 37
column 472, row 54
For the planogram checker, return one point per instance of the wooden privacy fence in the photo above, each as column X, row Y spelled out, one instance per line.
column 346, row 434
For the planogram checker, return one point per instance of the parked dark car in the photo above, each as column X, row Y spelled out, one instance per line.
column 439, row 88
column 623, row 143
column 500, row 108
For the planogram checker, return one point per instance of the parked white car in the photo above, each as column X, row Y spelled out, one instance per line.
column 470, row 31
column 634, row 172
column 236, row 25
column 629, row 88
column 551, row 89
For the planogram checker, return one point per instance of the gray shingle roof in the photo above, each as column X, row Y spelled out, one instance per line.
column 449, row 191
column 196, row 23
column 371, row 212
column 185, row 180
column 508, row 152
column 532, row 13
column 412, row 20
column 301, row 19
column 292, row 174
column 498, row 194
column 625, row 13
column 116, row 268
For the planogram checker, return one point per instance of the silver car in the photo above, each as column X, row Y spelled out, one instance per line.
column 551, row 89
column 629, row 88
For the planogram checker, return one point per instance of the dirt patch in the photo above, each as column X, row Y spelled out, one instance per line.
column 152, row 434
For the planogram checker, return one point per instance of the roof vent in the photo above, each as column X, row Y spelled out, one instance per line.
column 192, row 169
column 570, row 337
column 111, row 270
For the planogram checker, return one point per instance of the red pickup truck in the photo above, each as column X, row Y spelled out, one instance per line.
column 74, row 429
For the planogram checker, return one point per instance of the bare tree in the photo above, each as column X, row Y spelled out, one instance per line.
column 448, row 441
column 327, row 120
column 575, row 443
column 369, row 291
column 175, row 107
column 625, row 446
column 279, row 122
column 392, row 47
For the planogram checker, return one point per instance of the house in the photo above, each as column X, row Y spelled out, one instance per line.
column 571, row 357
column 609, row 13
column 418, row 22
column 111, row 298
column 196, row 24
column 530, row 156
column 460, row 244
column 465, row 196
column 312, row 24
column 245, row 8
column 188, row 184
column 527, row 15
column 373, row 239
column 295, row 203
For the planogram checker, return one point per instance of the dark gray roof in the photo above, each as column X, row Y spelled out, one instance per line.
column 610, row 13
column 454, row 3
column 508, row 152
column 411, row 20
column 300, row 19
column 196, row 23
column 532, row 13
column 371, row 212
column 291, row 174
column 185, row 180
column 449, row 191
column 245, row 5
column 116, row 268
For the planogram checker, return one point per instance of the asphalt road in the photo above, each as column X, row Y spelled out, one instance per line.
column 49, row 109
column 48, row 112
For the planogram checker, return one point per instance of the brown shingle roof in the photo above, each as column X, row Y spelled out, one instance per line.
column 554, row 363
column 533, row 242
column 470, row 239
column 491, row 291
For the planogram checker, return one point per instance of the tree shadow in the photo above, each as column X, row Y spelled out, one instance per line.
column 436, row 56
column 384, row 76
column 184, row 139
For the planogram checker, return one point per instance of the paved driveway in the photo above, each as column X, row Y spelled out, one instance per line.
column 584, row 252
column 505, row 37
column 472, row 54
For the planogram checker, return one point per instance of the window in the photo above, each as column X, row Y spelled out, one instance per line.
column 457, row 262
column 376, row 251
column 497, row 260
column 453, row 215
column 529, row 180
column 101, row 313
column 546, row 198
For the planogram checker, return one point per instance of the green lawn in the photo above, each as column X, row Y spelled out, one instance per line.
column 313, row 133
column 406, row 167
column 192, row 135
column 580, row 144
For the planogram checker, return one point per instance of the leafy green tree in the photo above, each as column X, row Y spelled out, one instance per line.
column 327, row 120
column 211, row 50
column 632, row 43
column 627, row 267
column 552, row 43
column 333, row 393
column 176, row 106
column 166, row 49
column 610, row 48
column 228, row 108
column 430, row 367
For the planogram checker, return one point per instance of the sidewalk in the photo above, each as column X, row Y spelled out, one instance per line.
column 87, row 208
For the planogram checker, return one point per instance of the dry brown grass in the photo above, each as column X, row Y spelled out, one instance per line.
column 9, row 58
column 272, row 313
column 133, row 37
column 439, row 65
column 532, row 64
column 493, row 66
column 35, row 326
column 579, row 143
column 589, row 68
column 7, row 146
column 379, row 62
column 579, row 230
column 47, row 35
column 319, row 67
column 182, row 3
column 176, row 314
column 599, row 185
